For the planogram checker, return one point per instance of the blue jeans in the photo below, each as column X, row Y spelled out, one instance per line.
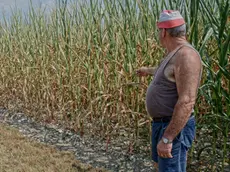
column 181, row 144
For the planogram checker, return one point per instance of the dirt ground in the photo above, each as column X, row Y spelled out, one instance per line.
column 19, row 154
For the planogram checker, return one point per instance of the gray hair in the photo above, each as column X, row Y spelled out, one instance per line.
column 177, row 31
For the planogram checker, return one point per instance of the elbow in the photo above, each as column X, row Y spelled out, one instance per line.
column 186, row 102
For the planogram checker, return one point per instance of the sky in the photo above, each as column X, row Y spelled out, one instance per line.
column 6, row 6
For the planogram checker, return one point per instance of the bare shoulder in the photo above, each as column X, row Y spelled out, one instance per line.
column 187, row 54
column 187, row 58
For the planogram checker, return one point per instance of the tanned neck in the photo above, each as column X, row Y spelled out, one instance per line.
column 173, row 43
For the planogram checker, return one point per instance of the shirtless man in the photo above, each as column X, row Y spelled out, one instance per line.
column 171, row 95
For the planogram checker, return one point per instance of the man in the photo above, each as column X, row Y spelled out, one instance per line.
column 171, row 95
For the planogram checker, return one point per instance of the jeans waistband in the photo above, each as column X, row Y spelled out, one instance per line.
column 166, row 118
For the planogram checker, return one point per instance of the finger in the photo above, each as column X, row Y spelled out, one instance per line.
column 160, row 154
column 165, row 155
column 170, row 155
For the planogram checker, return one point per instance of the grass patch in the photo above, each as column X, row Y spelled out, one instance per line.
column 20, row 154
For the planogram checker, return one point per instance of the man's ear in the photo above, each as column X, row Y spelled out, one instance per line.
column 163, row 33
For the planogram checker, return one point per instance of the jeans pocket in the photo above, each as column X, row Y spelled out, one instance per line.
column 179, row 137
column 158, row 130
column 156, row 127
column 188, row 133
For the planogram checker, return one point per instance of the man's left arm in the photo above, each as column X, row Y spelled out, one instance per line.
column 187, row 73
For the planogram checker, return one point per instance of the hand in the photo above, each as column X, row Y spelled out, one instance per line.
column 164, row 150
column 143, row 71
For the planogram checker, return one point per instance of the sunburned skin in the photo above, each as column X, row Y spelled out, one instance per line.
column 184, row 69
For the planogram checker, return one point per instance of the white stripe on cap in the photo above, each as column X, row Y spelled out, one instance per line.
column 165, row 16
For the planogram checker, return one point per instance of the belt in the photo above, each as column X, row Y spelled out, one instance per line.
column 164, row 119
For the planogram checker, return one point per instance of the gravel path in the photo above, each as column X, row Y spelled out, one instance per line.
column 86, row 149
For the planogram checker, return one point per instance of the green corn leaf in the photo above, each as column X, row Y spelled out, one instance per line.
column 226, row 96
column 207, row 8
column 224, row 71
column 205, row 39
column 213, row 21
column 225, row 49
column 216, row 126
column 224, row 18
column 208, row 66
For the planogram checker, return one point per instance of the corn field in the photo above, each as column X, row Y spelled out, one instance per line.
column 76, row 67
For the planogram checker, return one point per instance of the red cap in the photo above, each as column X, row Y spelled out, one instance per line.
column 170, row 19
